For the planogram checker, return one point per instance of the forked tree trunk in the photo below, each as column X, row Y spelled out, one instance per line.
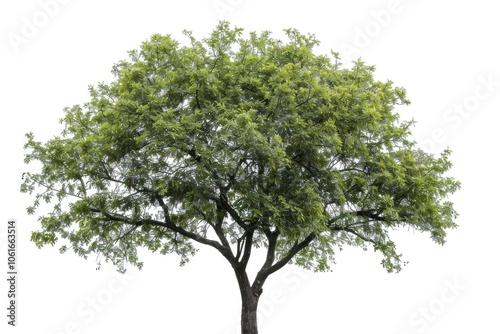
column 249, row 302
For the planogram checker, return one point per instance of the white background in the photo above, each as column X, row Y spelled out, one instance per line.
column 444, row 53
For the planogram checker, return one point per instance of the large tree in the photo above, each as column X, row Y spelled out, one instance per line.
column 236, row 142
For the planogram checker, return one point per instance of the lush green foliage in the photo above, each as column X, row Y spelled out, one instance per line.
column 238, row 141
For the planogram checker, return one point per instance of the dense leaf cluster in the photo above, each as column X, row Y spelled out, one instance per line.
column 238, row 142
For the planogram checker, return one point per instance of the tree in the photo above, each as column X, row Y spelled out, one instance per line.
column 238, row 142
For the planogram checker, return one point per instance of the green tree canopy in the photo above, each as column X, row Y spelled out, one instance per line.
column 238, row 141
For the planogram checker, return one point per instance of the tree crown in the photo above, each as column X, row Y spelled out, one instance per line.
column 238, row 142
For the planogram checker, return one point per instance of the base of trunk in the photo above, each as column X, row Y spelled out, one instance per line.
column 249, row 319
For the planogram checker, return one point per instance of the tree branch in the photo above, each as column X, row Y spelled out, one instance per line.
column 370, row 214
column 272, row 238
column 353, row 231
column 297, row 247
column 248, row 248
column 362, row 237
column 168, row 223
column 220, row 233
column 268, row 268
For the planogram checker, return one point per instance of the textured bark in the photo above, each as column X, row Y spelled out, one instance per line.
column 249, row 302
column 250, row 293
column 249, row 316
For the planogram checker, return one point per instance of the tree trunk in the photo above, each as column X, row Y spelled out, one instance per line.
column 249, row 316
column 249, row 302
